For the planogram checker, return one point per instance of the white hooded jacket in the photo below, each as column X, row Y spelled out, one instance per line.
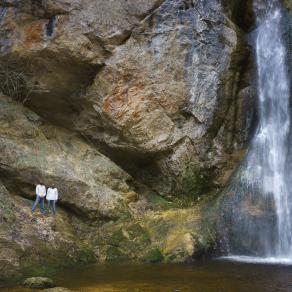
column 40, row 190
column 52, row 194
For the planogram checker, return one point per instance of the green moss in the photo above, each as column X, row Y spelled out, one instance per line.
column 127, row 241
column 113, row 254
column 177, row 257
column 86, row 255
column 46, row 262
column 195, row 183
column 159, row 202
column 154, row 256
column 117, row 238
column 124, row 215
column 38, row 283
column 7, row 212
column 9, row 216
column 130, row 237
column 139, row 234
column 161, row 226
column 171, row 258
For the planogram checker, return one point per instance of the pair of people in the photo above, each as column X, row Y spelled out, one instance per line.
column 51, row 196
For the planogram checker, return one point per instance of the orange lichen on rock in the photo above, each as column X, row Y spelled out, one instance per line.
column 34, row 34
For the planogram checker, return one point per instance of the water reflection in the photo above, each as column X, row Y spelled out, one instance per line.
column 208, row 276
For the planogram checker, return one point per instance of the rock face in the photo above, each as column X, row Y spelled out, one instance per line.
column 288, row 3
column 26, row 240
column 61, row 44
column 133, row 109
column 89, row 183
column 182, row 235
column 93, row 190
column 166, row 92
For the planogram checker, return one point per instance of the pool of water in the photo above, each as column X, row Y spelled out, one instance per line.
column 209, row 276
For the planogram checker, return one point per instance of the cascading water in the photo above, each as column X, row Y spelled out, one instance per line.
column 262, row 201
column 270, row 143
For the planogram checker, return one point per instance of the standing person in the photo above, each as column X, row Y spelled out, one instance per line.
column 52, row 197
column 40, row 197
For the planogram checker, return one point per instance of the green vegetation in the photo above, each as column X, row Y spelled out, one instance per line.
column 159, row 202
column 15, row 82
column 7, row 212
column 113, row 254
column 154, row 256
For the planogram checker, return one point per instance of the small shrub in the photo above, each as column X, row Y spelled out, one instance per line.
column 154, row 256
column 15, row 82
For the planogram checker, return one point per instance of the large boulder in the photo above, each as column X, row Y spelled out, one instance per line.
column 165, row 95
column 61, row 44
column 169, row 235
column 156, row 85
column 31, row 151
column 183, row 235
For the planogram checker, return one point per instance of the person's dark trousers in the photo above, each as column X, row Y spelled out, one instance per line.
column 40, row 201
column 52, row 206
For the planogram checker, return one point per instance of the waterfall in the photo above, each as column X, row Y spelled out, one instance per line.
column 262, row 201
column 269, row 149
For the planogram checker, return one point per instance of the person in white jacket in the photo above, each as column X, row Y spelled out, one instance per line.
column 40, row 197
column 52, row 197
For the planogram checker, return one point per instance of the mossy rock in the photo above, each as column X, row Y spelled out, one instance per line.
column 178, row 256
column 154, row 256
column 7, row 211
column 128, row 241
column 139, row 234
column 117, row 238
column 47, row 262
column 129, row 237
column 86, row 255
column 130, row 197
column 195, row 183
column 38, row 283
column 113, row 254
column 160, row 203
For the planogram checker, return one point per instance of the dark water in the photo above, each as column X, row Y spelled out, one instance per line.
column 211, row 276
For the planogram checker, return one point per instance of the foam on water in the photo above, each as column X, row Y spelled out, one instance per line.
column 258, row 260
